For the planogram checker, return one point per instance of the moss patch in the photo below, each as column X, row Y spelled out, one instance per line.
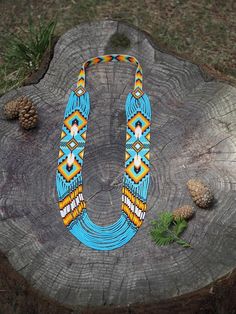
column 117, row 43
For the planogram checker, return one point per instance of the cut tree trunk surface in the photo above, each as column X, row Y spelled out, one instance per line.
column 192, row 135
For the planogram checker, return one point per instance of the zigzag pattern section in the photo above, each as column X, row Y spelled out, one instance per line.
column 112, row 58
column 136, row 177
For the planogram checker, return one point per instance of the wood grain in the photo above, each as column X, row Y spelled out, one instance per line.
column 192, row 134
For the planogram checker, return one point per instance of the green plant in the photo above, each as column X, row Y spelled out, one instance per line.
column 166, row 230
column 23, row 54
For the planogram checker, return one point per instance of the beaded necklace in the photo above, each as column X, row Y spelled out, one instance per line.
column 69, row 181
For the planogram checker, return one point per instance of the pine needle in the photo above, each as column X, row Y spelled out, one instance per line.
column 179, row 226
column 166, row 230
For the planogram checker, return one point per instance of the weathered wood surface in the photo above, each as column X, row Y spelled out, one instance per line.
column 193, row 134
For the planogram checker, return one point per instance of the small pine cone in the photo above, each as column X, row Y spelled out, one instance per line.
column 23, row 101
column 10, row 110
column 183, row 212
column 200, row 193
column 28, row 115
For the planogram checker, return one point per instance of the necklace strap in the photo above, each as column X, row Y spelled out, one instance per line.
column 110, row 58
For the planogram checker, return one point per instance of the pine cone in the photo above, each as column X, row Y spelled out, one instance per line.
column 183, row 212
column 200, row 193
column 10, row 110
column 27, row 114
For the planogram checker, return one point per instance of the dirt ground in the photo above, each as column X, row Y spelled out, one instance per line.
column 202, row 31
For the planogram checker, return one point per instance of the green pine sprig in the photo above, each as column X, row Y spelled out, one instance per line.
column 166, row 230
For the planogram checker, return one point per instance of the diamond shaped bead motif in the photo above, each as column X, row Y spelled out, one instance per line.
column 79, row 91
column 137, row 146
column 137, row 93
column 72, row 144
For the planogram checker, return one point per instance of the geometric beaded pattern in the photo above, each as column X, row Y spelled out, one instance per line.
column 137, row 156
column 111, row 58
column 70, row 163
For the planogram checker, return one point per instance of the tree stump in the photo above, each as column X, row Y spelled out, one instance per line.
column 192, row 135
